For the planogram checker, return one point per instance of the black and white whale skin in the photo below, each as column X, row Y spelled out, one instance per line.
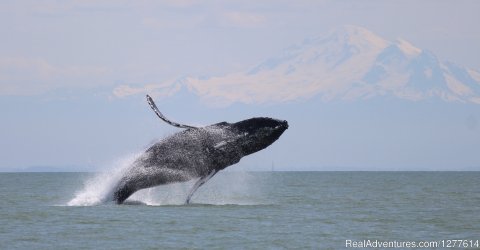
column 196, row 152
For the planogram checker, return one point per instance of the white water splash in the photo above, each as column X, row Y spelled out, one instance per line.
column 170, row 194
column 98, row 189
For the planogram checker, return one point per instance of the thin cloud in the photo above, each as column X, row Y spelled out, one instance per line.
column 32, row 76
column 243, row 19
column 156, row 90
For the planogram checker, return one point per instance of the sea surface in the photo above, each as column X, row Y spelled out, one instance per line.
column 240, row 210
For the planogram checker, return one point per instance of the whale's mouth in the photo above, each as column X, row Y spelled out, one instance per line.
column 281, row 127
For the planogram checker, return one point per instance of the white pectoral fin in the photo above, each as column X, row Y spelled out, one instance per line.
column 161, row 116
column 198, row 184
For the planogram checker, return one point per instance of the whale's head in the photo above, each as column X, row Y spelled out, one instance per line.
column 258, row 133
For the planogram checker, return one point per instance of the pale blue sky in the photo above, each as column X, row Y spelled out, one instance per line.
column 61, row 62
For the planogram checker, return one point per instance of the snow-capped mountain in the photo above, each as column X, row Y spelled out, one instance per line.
column 349, row 63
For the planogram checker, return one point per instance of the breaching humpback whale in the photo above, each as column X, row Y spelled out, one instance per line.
column 196, row 152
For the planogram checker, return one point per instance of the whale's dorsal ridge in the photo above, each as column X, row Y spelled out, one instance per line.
column 161, row 116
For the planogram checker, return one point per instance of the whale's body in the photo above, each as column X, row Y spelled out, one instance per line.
column 197, row 152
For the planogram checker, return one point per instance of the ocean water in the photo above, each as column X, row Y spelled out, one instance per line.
column 241, row 210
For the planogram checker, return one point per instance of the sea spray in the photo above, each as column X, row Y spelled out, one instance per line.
column 98, row 188
column 170, row 194
column 233, row 188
